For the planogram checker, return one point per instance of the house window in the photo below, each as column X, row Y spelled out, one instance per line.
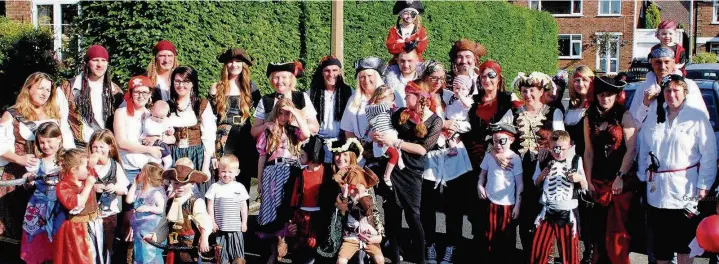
column 570, row 46
column 608, row 52
column 56, row 15
column 610, row 7
column 715, row 11
column 563, row 7
column 714, row 48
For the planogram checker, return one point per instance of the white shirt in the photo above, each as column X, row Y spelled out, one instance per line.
column 574, row 115
column 329, row 128
column 7, row 136
column 309, row 110
column 640, row 112
column 121, row 182
column 354, row 119
column 208, row 127
column 164, row 89
column 396, row 81
column 683, row 142
column 96, row 106
column 133, row 130
column 228, row 214
column 457, row 111
column 501, row 183
column 152, row 128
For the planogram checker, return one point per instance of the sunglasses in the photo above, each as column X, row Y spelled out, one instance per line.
column 558, row 150
column 501, row 141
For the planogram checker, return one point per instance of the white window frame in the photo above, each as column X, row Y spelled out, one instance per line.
column 571, row 8
column 618, row 37
column 714, row 47
column 571, row 45
column 715, row 6
column 599, row 8
column 56, row 19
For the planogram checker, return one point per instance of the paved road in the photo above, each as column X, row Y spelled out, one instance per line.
column 465, row 249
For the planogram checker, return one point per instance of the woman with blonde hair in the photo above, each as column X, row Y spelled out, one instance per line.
column 279, row 148
column 354, row 119
column 283, row 78
column 163, row 62
column 34, row 106
column 581, row 91
column 232, row 99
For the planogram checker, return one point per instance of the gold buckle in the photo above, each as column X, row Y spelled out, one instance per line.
column 172, row 238
column 237, row 120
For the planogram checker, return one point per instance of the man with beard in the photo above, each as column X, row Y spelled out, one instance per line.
column 465, row 55
column 88, row 100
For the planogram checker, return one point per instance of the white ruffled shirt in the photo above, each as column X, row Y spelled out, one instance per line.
column 7, row 136
column 208, row 126
column 96, row 106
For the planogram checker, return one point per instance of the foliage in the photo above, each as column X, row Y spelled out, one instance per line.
column 23, row 51
column 653, row 16
column 520, row 39
column 705, row 57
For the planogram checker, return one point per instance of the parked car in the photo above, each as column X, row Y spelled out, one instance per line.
column 704, row 71
column 638, row 70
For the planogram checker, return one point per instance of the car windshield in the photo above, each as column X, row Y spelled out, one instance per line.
column 703, row 74
column 709, row 99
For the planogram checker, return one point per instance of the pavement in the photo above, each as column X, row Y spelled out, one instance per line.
column 465, row 250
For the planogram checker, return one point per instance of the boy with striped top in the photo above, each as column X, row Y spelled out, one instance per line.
column 229, row 221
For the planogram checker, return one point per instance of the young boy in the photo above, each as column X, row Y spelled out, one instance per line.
column 229, row 220
column 187, row 222
column 156, row 126
column 503, row 188
column 666, row 33
column 560, row 177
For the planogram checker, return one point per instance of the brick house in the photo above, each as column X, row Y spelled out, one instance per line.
column 54, row 14
column 597, row 33
column 707, row 26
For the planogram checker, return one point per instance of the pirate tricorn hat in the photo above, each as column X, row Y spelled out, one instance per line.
column 354, row 175
column 185, row 174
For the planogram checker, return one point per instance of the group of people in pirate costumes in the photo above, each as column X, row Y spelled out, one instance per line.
column 461, row 142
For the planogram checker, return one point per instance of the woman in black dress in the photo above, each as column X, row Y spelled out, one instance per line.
column 418, row 129
column 232, row 98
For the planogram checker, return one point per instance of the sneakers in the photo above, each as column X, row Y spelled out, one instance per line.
column 431, row 255
column 448, row 252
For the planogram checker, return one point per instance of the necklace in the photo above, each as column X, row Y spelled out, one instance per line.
column 184, row 108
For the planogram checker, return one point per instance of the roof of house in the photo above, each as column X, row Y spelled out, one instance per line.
column 675, row 10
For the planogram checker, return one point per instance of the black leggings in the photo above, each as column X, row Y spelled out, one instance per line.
column 393, row 220
column 453, row 201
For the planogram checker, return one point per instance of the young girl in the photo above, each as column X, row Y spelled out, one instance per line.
column 408, row 34
column 148, row 198
column 279, row 149
column 379, row 114
column 80, row 237
column 43, row 215
column 457, row 110
column 111, row 183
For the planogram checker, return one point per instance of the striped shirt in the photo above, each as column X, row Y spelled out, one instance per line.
column 379, row 117
column 227, row 199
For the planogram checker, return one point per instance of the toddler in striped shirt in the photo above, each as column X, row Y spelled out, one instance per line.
column 379, row 117
column 229, row 220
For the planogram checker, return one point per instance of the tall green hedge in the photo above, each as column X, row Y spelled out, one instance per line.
column 520, row 39
column 23, row 51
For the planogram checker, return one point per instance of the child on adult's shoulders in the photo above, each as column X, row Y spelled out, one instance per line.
column 667, row 34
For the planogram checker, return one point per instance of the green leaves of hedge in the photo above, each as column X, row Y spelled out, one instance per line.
column 520, row 39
